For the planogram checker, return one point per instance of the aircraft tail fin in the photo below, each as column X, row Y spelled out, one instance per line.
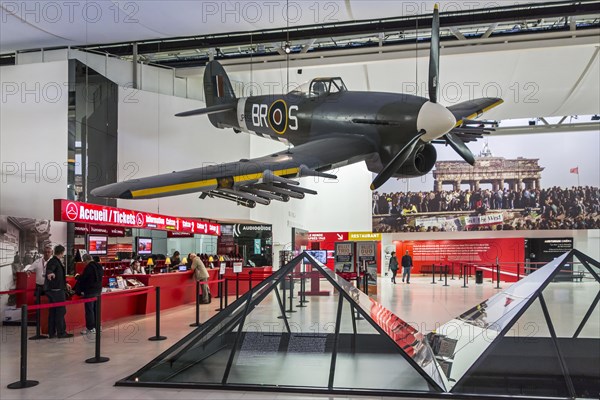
column 217, row 87
column 219, row 96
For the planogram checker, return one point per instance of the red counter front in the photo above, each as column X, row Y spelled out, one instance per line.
column 177, row 288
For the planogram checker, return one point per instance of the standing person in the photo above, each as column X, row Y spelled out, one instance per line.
column 407, row 264
column 393, row 266
column 39, row 268
column 200, row 275
column 89, row 285
column 55, row 286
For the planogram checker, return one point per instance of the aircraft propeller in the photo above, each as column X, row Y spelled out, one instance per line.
column 434, row 120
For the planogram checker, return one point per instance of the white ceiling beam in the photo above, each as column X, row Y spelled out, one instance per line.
column 458, row 34
column 307, row 46
column 489, row 31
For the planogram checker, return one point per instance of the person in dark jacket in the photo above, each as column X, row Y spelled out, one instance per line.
column 407, row 264
column 393, row 266
column 55, row 285
column 89, row 285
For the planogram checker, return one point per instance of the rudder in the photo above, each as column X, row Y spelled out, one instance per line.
column 217, row 87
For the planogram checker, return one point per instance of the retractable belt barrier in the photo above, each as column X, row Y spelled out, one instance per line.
column 23, row 382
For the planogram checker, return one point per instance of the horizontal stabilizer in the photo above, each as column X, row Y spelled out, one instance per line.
column 208, row 110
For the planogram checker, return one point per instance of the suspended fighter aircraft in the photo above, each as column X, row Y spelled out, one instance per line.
column 329, row 126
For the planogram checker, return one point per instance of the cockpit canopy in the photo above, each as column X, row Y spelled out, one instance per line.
column 320, row 87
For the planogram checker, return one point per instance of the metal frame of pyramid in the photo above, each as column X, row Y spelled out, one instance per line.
column 415, row 348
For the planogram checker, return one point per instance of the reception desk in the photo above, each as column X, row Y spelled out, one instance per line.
column 177, row 288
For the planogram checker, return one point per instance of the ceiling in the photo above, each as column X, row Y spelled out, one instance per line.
column 47, row 24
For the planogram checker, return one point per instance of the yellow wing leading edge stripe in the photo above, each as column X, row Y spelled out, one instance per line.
column 206, row 183
column 174, row 188
column 474, row 115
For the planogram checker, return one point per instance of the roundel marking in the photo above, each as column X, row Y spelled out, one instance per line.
column 278, row 119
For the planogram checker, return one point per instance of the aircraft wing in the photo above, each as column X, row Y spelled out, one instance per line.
column 467, row 128
column 249, row 182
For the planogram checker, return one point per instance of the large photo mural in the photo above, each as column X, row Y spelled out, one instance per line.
column 521, row 182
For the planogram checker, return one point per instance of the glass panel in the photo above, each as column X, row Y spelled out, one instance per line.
column 409, row 339
column 202, row 356
column 270, row 355
column 464, row 339
column 368, row 350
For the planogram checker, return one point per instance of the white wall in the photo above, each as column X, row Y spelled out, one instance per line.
column 33, row 139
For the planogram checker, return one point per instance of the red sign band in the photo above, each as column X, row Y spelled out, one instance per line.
column 84, row 213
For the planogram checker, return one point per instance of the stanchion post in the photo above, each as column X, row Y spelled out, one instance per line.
column 452, row 271
column 226, row 294
column 97, row 357
column 440, row 271
column 220, row 290
column 303, row 288
column 23, row 383
column 157, row 335
column 38, row 335
column 433, row 282
column 300, row 299
column 291, row 310
column 464, row 275
column 518, row 272
column 197, row 323
column 498, row 276
column 366, row 283
column 446, row 275
column 283, row 299
column 250, row 280
column 237, row 285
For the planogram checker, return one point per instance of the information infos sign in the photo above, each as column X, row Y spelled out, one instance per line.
column 74, row 211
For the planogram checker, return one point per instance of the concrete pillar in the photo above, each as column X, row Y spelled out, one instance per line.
column 538, row 183
column 495, row 186
column 476, row 185
column 502, row 184
column 519, row 184
column 437, row 186
column 456, row 185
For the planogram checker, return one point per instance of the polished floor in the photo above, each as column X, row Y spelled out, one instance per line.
column 59, row 364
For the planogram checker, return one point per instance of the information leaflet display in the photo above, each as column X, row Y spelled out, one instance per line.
column 344, row 257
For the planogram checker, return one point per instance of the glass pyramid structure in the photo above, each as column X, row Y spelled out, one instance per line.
column 342, row 343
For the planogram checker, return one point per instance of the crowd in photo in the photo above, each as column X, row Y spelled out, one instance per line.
column 551, row 208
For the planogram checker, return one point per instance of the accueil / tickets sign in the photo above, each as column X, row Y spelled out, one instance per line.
column 74, row 211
